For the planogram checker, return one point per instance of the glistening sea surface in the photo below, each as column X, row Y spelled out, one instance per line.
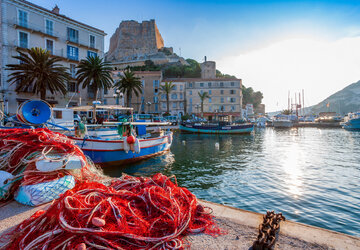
column 310, row 175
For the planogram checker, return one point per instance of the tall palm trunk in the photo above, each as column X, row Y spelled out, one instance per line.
column 43, row 94
column 94, row 107
column 128, row 97
column 202, row 108
column 167, row 103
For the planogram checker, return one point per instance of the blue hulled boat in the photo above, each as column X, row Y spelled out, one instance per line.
column 352, row 122
column 217, row 128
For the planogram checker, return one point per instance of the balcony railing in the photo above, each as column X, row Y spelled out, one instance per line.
column 33, row 28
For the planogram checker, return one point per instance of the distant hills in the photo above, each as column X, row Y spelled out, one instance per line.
column 342, row 102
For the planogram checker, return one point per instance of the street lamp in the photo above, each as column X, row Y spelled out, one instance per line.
column 149, row 105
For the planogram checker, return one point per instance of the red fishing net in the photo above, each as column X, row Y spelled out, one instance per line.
column 131, row 213
column 21, row 148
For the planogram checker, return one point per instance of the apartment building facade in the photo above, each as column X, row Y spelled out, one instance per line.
column 26, row 25
column 148, row 100
column 225, row 96
column 176, row 98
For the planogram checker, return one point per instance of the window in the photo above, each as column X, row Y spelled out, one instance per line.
column 232, row 108
column 232, row 92
column 72, row 87
column 49, row 27
column 163, row 97
column 222, row 99
column 181, row 105
column 221, row 92
column 209, row 99
column 156, row 99
column 105, row 101
column 156, row 83
column 201, row 91
column 163, row 105
column 190, row 92
column 72, row 35
column 181, row 95
column 222, row 108
column 23, row 18
column 210, row 108
column 174, row 87
column 221, row 84
column 23, row 40
column 174, row 96
column 210, row 92
column 232, row 84
column 92, row 41
column 190, row 100
column 73, row 70
column 72, row 53
column 190, row 85
column 232, row 99
column 174, row 105
column 156, row 107
column 58, row 114
column 209, row 84
column 91, row 54
column 106, row 91
column 181, row 87
column 201, row 84
column 50, row 46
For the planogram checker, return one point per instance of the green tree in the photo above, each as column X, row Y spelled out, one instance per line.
column 95, row 74
column 129, row 84
column 203, row 96
column 166, row 89
column 38, row 72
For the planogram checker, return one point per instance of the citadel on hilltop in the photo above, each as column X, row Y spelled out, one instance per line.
column 133, row 43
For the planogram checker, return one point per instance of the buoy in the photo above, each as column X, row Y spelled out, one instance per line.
column 217, row 145
column 130, row 139
column 183, row 142
column 81, row 246
column 4, row 185
column 98, row 222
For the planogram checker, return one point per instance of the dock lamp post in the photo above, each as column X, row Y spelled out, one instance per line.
column 149, row 105
column 197, row 106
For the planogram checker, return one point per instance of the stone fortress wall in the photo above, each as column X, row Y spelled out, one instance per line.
column 133, row 40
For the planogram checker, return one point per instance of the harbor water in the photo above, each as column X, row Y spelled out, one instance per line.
column 310, row 175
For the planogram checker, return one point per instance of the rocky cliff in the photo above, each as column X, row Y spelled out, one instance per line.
column 344, row 101
column 133, row 40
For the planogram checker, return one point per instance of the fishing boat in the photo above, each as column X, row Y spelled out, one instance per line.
column 217, row 128
column 285, row 121
column 352, row 122
column 113, row 152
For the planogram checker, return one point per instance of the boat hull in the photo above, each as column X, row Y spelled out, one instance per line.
column 352, row 125
column 282, row 124
column 239, row 129
column 111, row 152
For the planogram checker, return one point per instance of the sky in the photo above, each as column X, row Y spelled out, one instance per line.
column 273, row 46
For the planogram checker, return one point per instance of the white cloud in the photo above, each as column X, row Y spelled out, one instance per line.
column 319, row 67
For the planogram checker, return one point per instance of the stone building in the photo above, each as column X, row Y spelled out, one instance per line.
column 26, row 25
column 176, row 98
column 225, row 96
column 208, row 70
column 147, row 101
column 132, row 40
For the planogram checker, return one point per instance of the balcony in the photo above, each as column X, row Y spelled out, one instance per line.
column 34, row 28
column 80, row 43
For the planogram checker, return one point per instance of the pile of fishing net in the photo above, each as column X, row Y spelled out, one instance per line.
column 36, row 165
column 131, row 213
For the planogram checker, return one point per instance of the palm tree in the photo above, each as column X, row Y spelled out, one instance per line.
column 38, row 72
column 129, row 84
column 203, row 96
column 95, row 74
column 166, row 89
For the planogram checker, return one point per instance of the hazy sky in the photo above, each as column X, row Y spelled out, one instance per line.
column 274, row 46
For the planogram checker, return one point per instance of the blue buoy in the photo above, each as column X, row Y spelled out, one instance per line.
column 35, row 112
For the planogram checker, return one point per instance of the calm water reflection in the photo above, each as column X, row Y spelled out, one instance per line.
column 311, row 175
